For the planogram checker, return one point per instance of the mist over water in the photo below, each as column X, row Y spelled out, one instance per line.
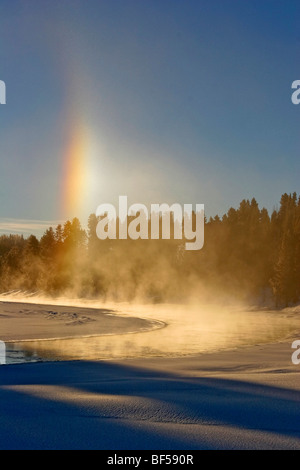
column 185, row 330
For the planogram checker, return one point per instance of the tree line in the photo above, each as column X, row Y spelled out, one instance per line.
column 248, row 254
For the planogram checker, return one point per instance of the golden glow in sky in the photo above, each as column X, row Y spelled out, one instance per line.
column 75, row 173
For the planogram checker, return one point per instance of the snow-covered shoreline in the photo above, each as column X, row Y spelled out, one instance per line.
column 244, row 398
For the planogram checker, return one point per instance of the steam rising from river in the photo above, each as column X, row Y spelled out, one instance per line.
column 189, row 330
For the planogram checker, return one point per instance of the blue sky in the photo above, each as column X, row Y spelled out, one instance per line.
column 183, row 101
